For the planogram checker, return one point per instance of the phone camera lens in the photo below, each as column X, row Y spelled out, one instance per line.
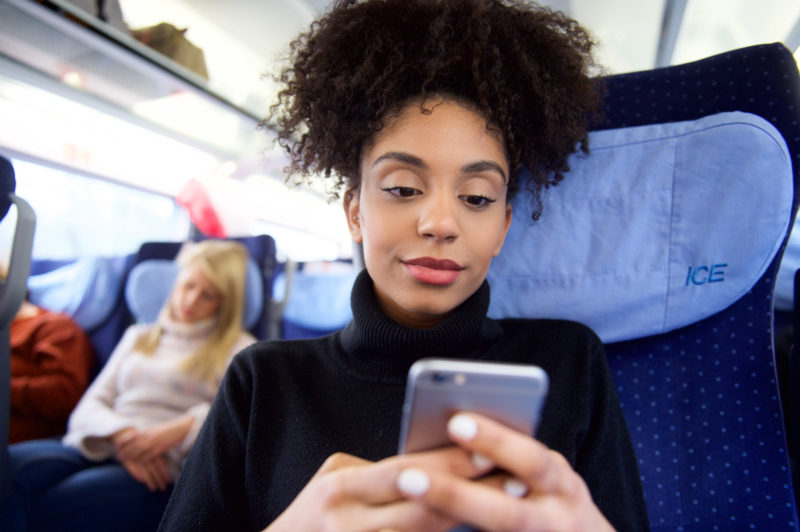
column 438, row 377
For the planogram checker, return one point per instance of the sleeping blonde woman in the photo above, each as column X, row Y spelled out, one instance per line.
column 129, row 434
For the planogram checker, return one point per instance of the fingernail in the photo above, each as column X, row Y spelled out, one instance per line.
column 481, row 462
column 514, row 487
column 413, row 482
column 462, row 427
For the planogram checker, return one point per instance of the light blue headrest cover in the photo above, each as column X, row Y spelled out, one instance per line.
column 659, row 227
column 87, row 290
column 150, row 283
column 317, row 300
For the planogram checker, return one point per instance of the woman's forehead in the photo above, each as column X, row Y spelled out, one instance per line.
column 440, row 126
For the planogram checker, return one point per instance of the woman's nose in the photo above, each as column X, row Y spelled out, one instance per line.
column 438, row 220
column 191, row 298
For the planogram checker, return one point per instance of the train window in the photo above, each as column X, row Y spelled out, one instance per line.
column 302, row 246
column 709, row 30
column 79, row 216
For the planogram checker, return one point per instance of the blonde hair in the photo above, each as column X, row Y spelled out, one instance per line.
column 225, row 264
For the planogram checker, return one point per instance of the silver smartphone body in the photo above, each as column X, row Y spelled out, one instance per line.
column 512, row 394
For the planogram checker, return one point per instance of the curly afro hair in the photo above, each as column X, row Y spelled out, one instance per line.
column 523, row 67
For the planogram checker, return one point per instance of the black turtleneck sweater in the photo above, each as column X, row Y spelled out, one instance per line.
column 285, row 406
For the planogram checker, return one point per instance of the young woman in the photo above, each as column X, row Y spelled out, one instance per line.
column 129, row 434
column 427, row 111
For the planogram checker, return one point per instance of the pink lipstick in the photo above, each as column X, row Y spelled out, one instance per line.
column 440, row 272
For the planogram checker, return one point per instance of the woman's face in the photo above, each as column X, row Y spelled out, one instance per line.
column 194, row 297
column 431, row 210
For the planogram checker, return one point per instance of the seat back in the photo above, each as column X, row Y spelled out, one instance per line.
column 150, row 282
column 314, row 298
column 89, row 290
column 677, row 275
column 262, row 251
column 712, row 386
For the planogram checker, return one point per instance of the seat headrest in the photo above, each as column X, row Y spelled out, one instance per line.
column 658, row 227
column 87, row 290
column 7, row 184
column 150, row 283
column 319, row 297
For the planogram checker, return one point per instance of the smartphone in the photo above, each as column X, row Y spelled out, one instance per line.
column 512, row 394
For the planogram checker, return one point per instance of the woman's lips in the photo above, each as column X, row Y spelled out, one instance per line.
column 428, row 270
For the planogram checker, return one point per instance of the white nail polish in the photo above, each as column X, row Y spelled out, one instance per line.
column 413, row 482
column 481, row 462
column 514, row 487
column 462, row 426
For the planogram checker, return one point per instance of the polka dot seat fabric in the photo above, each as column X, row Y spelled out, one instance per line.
column 702, row 401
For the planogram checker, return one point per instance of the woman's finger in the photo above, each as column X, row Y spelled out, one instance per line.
column 140, row 474
column 159, row 472
column 542, row 470
column 401, row 515
column 375, row 483
column 379, row 484
column 499, row 503
column 339, row 461
column 480, row 504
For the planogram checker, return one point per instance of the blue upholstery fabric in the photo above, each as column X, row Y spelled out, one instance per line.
column 702, row 402
column 318, row 300
column 86, row 289
column 150, row 283
column 90, row 290
column 628, row 245
column 148, row 286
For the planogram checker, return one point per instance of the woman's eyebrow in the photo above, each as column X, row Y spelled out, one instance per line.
column 483, row 166
column 412, row 160
column 402, row 157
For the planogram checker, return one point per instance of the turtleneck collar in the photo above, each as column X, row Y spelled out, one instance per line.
column 384, row 348
column 188, row 331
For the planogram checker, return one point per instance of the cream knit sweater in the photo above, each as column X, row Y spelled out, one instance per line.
column 137, row 390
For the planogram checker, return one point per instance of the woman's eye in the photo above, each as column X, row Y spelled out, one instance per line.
column 403, row 192
column 208, row 296
column 477, row 201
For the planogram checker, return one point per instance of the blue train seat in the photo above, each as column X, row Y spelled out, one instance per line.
column 150, row 283
column 666, row 239
column 314, row 298
column 12, row 292
column 261, row 249
column 89, row 290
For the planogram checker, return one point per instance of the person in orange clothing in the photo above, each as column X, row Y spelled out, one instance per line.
column 51, row 361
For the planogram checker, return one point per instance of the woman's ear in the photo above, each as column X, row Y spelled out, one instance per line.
column 352, row 210
column 506, row 225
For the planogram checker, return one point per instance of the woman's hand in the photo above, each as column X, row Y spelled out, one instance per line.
column 154, row 441
column 152, row 473
column 349, row 493
column 538, row 489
